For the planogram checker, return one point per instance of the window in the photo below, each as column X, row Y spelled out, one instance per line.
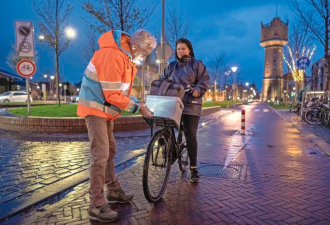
column 275, row 31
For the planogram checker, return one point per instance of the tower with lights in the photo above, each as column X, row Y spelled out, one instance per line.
column 273, row 37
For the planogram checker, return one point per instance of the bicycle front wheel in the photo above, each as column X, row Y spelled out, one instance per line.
column 157, row 166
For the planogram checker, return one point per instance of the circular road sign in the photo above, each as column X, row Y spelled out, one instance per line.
column 26, row 68
column 168, row 51
column 303, row 63
column 25, row 47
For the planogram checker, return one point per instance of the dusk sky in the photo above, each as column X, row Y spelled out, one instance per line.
column 232, row 26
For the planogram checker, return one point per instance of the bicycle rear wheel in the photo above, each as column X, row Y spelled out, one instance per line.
column 157, row 166
column 312, row 117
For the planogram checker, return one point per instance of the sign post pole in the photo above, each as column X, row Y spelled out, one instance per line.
column 28, row 95
column 25, row 48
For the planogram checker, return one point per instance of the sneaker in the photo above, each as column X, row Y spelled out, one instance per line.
column 102, row 213
column 194, row 175
column 118, row 196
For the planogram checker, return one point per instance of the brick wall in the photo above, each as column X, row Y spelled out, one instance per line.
column 73, row 125
column 64, row 125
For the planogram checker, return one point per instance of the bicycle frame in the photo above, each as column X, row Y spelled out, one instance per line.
column 170, row 128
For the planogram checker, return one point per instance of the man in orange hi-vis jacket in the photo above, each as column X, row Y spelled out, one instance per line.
column 105, row 91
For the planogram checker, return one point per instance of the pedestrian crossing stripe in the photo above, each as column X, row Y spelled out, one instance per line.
column 256, row 110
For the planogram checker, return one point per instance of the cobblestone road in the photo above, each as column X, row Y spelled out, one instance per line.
column 29, row 162
column 319, row 130
column 283, row 179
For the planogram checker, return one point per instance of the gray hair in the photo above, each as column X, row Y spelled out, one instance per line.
column 144, row 39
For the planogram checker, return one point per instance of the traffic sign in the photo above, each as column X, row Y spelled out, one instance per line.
column 303, row 63
column 168, row 51
column 26, row 68
column 24, row 38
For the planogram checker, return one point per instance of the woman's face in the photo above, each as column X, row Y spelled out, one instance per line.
column 182, row 49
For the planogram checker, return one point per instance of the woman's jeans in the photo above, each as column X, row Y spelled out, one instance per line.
column 190, row 125
column 103, row 151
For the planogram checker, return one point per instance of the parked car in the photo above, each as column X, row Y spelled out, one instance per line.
column 14, row 96
column 75, row 98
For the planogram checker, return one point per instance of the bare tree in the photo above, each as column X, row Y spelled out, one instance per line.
column 315, row 14
column 90, row 47
column 177, row 25
column 119, row 14
column 217, row 68
column 53, row 17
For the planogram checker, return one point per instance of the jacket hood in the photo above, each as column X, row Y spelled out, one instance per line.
column 112, row 39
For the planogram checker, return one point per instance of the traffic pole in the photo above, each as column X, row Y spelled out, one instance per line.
column 243, row 122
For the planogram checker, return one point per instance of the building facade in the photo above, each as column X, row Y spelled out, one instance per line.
column 319, row 78
column 274, row 36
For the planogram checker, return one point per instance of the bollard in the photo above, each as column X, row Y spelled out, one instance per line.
column 243, row 122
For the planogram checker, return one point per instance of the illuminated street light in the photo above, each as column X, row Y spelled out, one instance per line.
column 247, row 84
column 41, row 37
column 71, row 33
column 234, row 69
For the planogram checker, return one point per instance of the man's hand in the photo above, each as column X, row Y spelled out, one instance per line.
column 195, row 93
column 145, row 111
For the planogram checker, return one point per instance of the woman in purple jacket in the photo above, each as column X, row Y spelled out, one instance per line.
column 189, row 71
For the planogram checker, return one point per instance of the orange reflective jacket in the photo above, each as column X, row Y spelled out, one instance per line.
column 107, row 82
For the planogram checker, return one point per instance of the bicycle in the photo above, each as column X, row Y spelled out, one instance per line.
column 164, row 149
column 295, row 108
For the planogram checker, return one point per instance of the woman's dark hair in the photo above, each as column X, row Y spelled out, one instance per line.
column 189, row 45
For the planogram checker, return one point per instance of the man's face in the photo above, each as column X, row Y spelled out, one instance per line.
column 138, row 53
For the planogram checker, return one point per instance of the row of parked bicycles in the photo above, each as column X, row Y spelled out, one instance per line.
column 313, row 111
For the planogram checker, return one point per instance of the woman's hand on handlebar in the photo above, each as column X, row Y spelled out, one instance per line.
column 192, row 91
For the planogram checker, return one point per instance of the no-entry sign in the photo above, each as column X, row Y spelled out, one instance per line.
column 26, row 68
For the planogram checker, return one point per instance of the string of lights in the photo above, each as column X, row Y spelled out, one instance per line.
column 297, row 76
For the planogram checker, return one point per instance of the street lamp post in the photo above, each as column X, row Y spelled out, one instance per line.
column 60, row 91
column 285, row 99
column 51, row 84
column 234, row 69
column 247, row 85
column 45, row 76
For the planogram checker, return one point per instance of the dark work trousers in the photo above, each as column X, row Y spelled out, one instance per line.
column 190, row 124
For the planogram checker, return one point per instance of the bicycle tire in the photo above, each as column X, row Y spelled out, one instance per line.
column 310, row 120
column 154, row 184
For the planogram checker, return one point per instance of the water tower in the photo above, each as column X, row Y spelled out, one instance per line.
column 273, row 37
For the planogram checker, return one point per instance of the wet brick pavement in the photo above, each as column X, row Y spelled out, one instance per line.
column 319, row 130
column 29, row 162
column 285, row 180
